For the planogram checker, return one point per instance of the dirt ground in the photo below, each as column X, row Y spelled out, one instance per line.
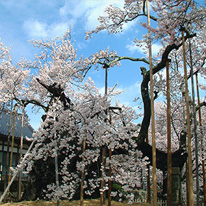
column 68, row 203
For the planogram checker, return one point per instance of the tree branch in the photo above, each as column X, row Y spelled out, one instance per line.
column 200, row 105
column 32, row 101
column 179, row 157
column 128, row 58
column 58, row 92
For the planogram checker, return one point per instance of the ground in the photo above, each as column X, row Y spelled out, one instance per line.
column 66, row 203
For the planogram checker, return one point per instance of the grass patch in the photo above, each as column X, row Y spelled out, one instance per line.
column 92, row 202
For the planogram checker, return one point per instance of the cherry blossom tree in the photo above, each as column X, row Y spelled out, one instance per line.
column 169, row 18
column 76, row 111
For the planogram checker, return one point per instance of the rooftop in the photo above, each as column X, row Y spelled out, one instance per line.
column 4, row 125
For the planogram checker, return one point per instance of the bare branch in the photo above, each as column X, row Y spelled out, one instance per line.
column 128, row 58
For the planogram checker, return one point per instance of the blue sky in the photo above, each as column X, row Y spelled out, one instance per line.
column 24, row 20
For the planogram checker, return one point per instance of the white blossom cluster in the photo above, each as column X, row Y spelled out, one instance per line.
column 89, row 120
column 77, row 112
column 90, row 117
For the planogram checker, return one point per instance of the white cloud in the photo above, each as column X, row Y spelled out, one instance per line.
column 129, row 25
column 58, row 29
column 156, row 48
column 36, row 29
column 102, row 90
column 133, row 48
column 129, row 94
column 92, row 17
column 89, row 10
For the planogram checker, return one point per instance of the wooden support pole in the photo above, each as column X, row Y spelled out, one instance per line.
column 169, row 152
column 82, row 175
column 8, row 145
column 202, row 146
column 56, row 171
column 17, row 171
column 12, row 144
column 106, row 79
column 110, row 172
column 148, row 180
column 20, row 153
column 56, row 158
column 187, row 183
column 195, row 126
column 152, row 114
column 102, row 180
column 102, row 193
column 190, row 193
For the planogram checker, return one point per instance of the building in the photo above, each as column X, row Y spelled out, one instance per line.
column 4, row 130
